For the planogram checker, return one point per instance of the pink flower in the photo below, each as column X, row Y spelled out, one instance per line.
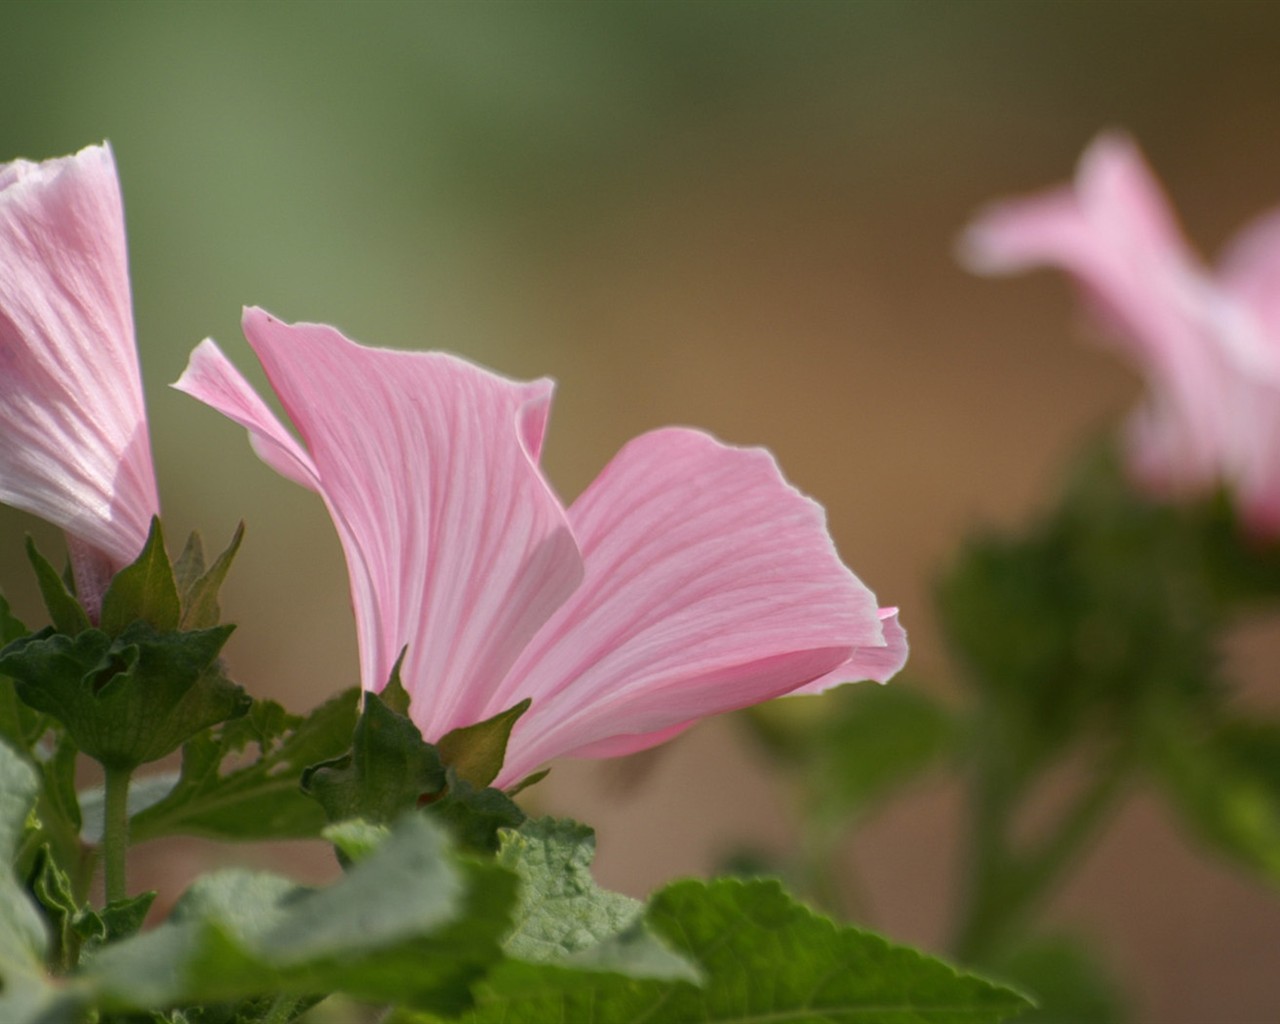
column 687, row 580
column 75, row 449
column 1208, row 344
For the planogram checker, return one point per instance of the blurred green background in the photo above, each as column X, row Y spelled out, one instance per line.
column 733, row 215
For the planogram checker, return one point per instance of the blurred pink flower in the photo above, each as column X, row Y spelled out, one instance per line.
column 689, row 579
column 1207, row 344
column 76, row 450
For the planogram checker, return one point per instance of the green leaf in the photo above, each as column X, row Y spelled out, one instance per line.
column 131, row 699
column 260, row 799
column 65, row 612
column 1226, row 784
column 51, row 887
column 200, row 598
column 356, row 839
column 25, row 990
column 388, row 770
column 411, row 923
column 764, row 957
column 563, row 916
column 476, row 752
column 143, row 591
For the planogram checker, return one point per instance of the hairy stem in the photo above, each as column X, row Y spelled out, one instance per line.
column 115, row 833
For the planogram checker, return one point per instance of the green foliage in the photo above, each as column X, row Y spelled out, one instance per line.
column 1068, row 985
column 388, row 770
column 130, row 699
column 24, row 934
column 564, row 917
column 260, row 799
column 763, row 957
column 143, row 591
column 1225, row 782
column 199, row 588
column 474, row 816
column 65, row 612
column 411, row 923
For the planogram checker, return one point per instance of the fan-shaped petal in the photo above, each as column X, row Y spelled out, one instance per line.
column 455, row 544
column 711, row 584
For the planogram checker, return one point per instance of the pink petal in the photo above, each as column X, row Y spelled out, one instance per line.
column 212, row 379
column 1250, row 270
column 75, row 450
column 1113, row 232
column 876, row 663
column 711, row 584
column 455, row 544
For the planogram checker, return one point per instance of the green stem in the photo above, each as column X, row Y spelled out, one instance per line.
column 115, row 832
column 1007, row 885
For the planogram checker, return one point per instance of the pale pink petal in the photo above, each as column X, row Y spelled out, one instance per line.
column 455, row 544
column 711, row 584
column 879, row 664
column 75, row 449
column 1250, row 271
column 212, row 379
column 1113, row 232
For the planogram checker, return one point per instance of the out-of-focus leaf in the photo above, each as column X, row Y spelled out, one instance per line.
column 875, row 740
column 411, row 923
column 25, row 991
column 1226, row 785
column 1067, row 983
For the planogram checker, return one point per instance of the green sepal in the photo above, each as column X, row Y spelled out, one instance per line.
column 529, row 780
column 394, row 695
column 475, row 815
column 387, row 771
column 200, row 595
column 143, row 591
column 190, row 565
column 476, row 752
column 65, row 612
column 128, row 700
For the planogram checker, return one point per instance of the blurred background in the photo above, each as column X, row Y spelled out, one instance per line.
column 738, row 216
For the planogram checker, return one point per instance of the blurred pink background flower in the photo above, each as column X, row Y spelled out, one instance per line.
column 76, row 450
column 689, row 579
column 1207, row 343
